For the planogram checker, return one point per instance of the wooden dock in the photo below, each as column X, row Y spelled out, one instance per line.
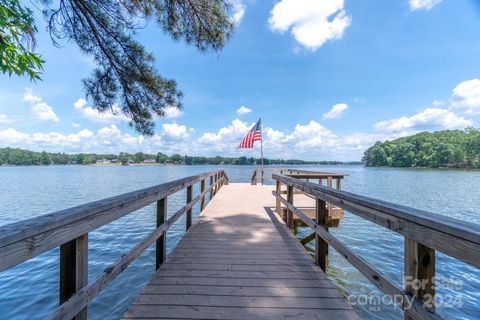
column 240, row 261
column 240, row 258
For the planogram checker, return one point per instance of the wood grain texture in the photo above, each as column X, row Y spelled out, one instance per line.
column 453, row 237
column 75, row 291
column 240, row 261
column 414, row 253
column 74, row 270
column 161, row 244
column 419, row 266
column 26, row 239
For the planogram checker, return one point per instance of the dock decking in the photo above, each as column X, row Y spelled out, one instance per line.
column 240, row 261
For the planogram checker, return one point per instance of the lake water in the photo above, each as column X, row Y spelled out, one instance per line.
column 30, row 290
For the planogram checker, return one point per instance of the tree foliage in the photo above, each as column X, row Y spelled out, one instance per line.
column 105, row 29
column 20, row 157
column 447, row 148
column 17, row 41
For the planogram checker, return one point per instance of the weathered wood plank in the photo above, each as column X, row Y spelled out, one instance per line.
column 173, row 265
column 448, row 225
column 329, row 291
column 242, row 274
column 295, row 261
column 226, row 313
column 74, row 270
column 419, row 266
column 250, row 260
column 82, row 297
column 248, row 282
column 202, row 189
column 416, row 311
column 194, row 300
column 161, row 244
column 289, row 212
column 189, row 211
column 453, row 237
column 321, row 246
column 26, row 239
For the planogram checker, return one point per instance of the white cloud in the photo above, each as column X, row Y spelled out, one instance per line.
column 423, row 4
column 53, row 141
column 41, row 110
column 238, row 11
column 114, row 115
column 306, row 141
column 44, row 112
column 76, row 125
column 112, row 130
column 80, row 103
column 243, row 110
column 108, row 139
column 172, row 112
column 173, row 131
column 466, row 96
column 312, row 22
column 337, row 111
column 230, row 135
column 4, row 119
column 11, row 136
column 30, row 97
column 428, row 119
column 309, row 140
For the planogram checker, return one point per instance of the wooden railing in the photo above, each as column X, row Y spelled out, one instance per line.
column 423, row 232
column 263, row 174
column 69, row 229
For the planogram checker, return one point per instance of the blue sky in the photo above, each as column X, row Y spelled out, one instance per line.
column 328, row 78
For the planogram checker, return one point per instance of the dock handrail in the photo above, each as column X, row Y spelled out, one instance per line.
column 424, row 232
column 69, row 229
column 259, row 174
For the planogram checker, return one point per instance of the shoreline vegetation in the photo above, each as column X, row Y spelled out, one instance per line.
column 22, row 157
column 458, row 149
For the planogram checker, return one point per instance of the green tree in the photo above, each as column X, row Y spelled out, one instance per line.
column 105, row 30
column 176, row 158
column 447, row 148
column 161, row 158
column 17, row 41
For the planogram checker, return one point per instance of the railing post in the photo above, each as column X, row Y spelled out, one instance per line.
column 330, row 185
column 211, row 188
column 74, row 269
column 225, row 178
column 321, row 247
column 419, row 272
column 189, row 211
column 161, row 244
column 202, row 189
column 339, row 183
column 278, row 189
column 289, row 212
column 263, row 177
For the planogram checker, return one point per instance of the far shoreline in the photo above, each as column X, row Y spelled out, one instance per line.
column 245, row 165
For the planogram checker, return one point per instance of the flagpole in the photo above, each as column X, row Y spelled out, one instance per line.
column 261, row 148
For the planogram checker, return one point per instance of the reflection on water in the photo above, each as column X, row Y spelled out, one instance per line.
column 30, row 290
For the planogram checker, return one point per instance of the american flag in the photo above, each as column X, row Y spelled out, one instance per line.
column 255, row 134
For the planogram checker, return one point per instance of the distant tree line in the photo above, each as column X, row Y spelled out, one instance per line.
column 20, row 157
column 251, row 161
column 447, row 148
